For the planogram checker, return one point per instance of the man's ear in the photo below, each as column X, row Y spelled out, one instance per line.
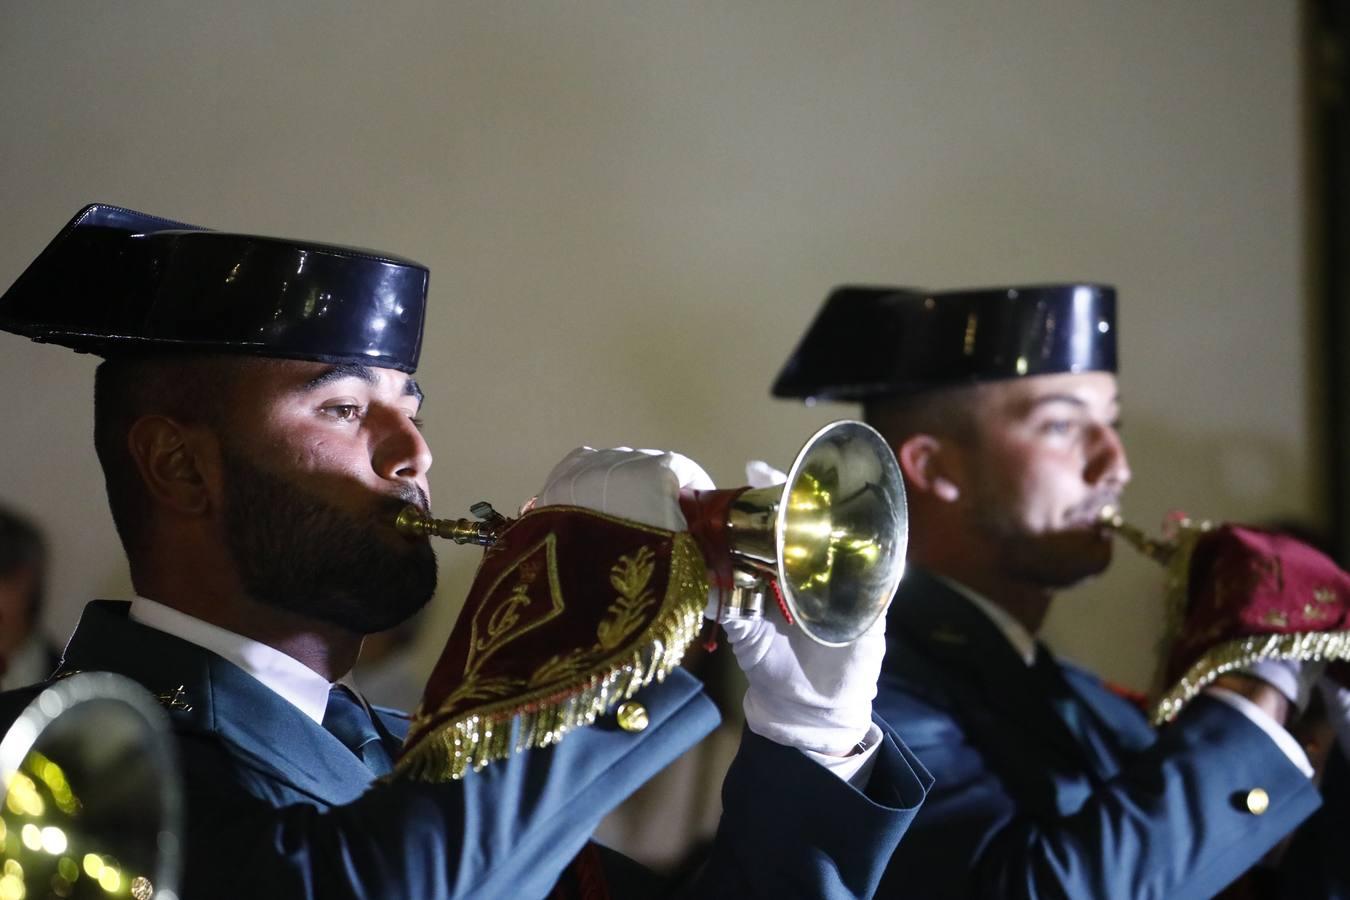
column 173, row 460
column 929, row 467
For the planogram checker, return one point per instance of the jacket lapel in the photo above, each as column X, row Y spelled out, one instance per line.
column 267, row 731
column 205, row 694
column 393, row 728
column 997, row 694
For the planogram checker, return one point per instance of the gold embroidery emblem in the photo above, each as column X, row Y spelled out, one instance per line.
column 175, row 699
column 630, row 577
column 1276, row 619
column 520, row 611
column 1315, row 613
column 509, row 687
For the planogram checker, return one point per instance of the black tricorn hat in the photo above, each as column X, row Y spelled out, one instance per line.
column 879, row 341
column 115, row 281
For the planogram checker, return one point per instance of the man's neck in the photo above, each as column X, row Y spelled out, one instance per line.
column 327, row 649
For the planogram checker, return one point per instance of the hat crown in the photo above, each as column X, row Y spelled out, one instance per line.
column 877, row 341
column 117, row 281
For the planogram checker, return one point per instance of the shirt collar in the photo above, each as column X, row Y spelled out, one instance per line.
column 294, row 681
column 1022, row 641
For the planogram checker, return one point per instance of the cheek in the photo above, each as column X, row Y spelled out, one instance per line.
column 308, row 450
column 1034, row 484
column 332, row 458
column 1052, row 488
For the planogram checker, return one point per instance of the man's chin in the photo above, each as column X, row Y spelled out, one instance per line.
column 1067, row 558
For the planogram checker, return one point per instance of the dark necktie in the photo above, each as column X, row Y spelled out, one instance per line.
column 348, row 721
column 1072, row 710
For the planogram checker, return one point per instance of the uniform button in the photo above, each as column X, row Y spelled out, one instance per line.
column 632, row 716
column 1258, row 801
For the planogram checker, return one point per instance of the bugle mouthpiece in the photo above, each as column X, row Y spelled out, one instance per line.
column 483, row 531
column 1160, row 551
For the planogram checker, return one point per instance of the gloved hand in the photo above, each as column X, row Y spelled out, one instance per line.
column 641, row 485
column 803, row 694
column 759, row 474
column 1295, row 680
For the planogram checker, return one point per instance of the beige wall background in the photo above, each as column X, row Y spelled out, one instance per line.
column 632, row 210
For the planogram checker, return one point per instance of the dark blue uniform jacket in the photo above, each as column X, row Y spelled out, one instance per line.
column 278, row 808
column 1047, row 784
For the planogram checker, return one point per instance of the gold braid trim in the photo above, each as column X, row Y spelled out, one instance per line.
column 1303, row 646
column 541, row 718
column 1176, row 592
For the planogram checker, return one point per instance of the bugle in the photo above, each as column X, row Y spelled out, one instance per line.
column 829, row 543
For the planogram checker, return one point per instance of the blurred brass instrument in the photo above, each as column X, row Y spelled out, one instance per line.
column 92, row 802
column 1172, row 552
column 1159, row 550
column 830, row 541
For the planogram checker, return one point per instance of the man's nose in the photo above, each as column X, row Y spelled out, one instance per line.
column 1108, row 465
column 400, row 451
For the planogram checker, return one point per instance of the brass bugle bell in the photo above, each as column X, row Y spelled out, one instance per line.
column 92, row 803
column 831, row 540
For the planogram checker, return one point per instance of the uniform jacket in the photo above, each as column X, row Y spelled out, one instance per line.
column 1054, row 786
column 279, row 808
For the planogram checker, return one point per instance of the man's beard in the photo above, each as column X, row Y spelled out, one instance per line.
column 296, row 552
column 1053, row 560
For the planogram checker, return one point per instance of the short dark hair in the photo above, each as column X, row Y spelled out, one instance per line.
column 945, row 412
column 192, row 389
column 22, row 547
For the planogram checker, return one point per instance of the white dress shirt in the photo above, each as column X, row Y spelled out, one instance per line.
column 292, row 680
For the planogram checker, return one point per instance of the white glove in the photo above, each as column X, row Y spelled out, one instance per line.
column 641, row 485
column 759, row 474
column 1293, row 679
column 803, row 694
column 1337, row 700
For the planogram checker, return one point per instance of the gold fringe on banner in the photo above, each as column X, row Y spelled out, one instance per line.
column 1303, row 646
column 605, row 675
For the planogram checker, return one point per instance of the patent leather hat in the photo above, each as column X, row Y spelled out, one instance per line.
column 115, row 281
column 879, row 341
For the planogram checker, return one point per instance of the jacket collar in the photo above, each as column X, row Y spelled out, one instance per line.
column 929, row 612
column 204, row 694
column 944, row 626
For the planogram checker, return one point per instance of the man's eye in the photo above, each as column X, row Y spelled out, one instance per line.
column 1058, row 426
column 343, row 412
column 417, row 422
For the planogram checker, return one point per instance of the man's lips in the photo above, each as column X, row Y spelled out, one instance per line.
column 410, row 495
column 1090, row 515
column 392, row 507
